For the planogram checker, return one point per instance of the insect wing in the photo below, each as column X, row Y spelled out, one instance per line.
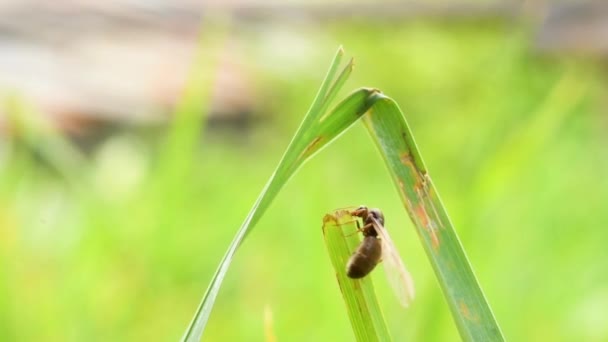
column 398, row 277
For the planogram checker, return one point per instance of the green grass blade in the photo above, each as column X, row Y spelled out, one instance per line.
column 389, row 130
column 469, row 308
column 320, row 98
column 341, row 239
column 316, row 131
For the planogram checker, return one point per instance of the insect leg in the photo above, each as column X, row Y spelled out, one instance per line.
column 359, row 228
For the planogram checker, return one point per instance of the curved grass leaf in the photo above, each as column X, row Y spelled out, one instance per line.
column 392, row 135
column 470, row 310
column 316, row 131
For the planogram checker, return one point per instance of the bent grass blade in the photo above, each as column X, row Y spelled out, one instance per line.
column 316, row 131
column 389, row 130
column 471, row 312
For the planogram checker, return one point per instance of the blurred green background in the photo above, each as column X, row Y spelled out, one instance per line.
column 118, row 241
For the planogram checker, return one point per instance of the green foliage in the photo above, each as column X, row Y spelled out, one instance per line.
column 316, row 131
column 514, row 140
column 387, row 126
column 470, row 310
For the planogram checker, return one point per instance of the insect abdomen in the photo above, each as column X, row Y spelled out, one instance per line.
column 365, row 258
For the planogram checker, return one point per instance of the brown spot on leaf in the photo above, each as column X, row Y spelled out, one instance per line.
column 406, row 159
column 329, row 218
column 402, row 188
column 308, row 150
column 422, row 216
column 466, row 313
column 312, row 146
column 434, row 238
column 426, row 222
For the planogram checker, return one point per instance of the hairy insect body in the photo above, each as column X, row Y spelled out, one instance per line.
column 369, row 252
column 378, row 246
column 365, row 258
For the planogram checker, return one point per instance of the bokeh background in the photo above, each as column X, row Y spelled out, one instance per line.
column 135, row 137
